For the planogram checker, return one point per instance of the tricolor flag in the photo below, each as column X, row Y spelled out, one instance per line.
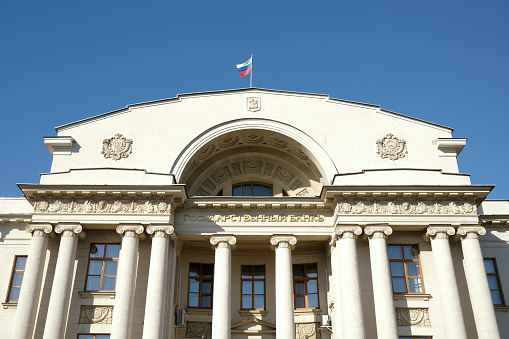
column 245, row 68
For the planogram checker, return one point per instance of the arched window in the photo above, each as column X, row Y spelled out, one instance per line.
column 252, row 189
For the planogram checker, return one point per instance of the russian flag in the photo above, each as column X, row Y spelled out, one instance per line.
column 245, row 68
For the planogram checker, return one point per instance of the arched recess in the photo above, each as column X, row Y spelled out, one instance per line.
column 254, row 150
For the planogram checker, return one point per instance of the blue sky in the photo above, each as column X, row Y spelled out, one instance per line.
column 441, row 61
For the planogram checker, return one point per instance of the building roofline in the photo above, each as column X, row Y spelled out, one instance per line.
column 179, row 97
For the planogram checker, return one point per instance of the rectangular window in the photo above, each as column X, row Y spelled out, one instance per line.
column 200, row 285
column 253, row 287
column 305, row 283
column 17, row 277
column 93, row 336
column 494, row 281
column 102, row 267
column 405, row 269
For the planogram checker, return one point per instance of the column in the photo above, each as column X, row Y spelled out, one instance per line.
column 452, row 314
column 285, row 321
column 385, row 312
column 58, row 308
column 126, row 281
column 336, row 313
column 478, row 287
column 28, row 302
column 222, row 294
column 158, row 279
column 352, row 316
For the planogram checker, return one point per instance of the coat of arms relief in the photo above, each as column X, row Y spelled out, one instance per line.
column 391, row 147
column 117, row 147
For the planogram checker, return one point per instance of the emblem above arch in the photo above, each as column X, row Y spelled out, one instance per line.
column 254, row 150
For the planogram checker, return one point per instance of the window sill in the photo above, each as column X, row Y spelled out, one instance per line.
column 501, row 308
column 412, row 296
column 307, row 311
column 10, row 305
column 97, row 294
column 203, row 311
column 244, row 313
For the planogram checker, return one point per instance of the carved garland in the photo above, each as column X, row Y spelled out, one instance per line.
column 198, row 329
column 307, row 330
column 399, row 207
column 96, row 314
column 413, row 317
column 103, row 206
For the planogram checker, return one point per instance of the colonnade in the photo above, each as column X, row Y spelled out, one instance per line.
column 348, row 319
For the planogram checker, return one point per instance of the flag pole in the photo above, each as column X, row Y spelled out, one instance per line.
column 251, row 75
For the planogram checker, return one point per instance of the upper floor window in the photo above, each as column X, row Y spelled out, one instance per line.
column 305, row 280
column 405, row 269
column 93, row 336
column 200, row 285
column 252, row 189
column 102, row 267
column 494, row 281
column 253, row 287
column 17, row 277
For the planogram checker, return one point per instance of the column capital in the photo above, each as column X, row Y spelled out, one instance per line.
column 39, row 230
column 282, row 241
column 378, row 231
column 161, row 231
column 223, row 241
column 131, row 230
column 439, row 232
column 347, row 231
column 470, row 232
column 70, row 230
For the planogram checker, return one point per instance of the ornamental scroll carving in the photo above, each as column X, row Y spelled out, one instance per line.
column 404, row 207
column 283, row 241
column 307, row 330
column 413, row 317
column 91, row 314
column 117, row 147
column 127, row 206
column 223, row 241
column 198, row 329
column 391, row 147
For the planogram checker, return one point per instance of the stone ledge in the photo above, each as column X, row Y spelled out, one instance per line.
column 97, row 294
column 202, row 311
column 244, row 313
column 10, row 305
column 412, row 296
column 502, row 308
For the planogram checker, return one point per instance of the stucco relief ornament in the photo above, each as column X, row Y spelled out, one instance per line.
column 391, row 147
column 117, row 147
column 254, row 104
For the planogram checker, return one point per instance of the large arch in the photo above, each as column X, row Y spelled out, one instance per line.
column 254, row 149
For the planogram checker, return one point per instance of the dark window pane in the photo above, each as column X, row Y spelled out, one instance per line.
column 194, row 285
column 20, row 263
column 300, row 287
column 14, row 294
column 247, row 272
column 206, row 286
column 93, row 283
column 313, row 300
column 193, row 299
column 492, row 281
column 489, row 265
column 397, row 269
column 109, row 283
column 257, row 190
column 207, row 270
column 300, row 301
column 98, row 249
column 247, row 287
column 247, row 301
column 237, row 190
column 267, row 191
column 259, row 272
column 112, row 251
column 246, row 190
column 85, row 336
column 399, row 285
column 298, row 271
column 259, row 287
column 194, row 270
column 95, row 267
column 495, row 296
column 110, row 267
column 415, row 285
column 408, row 252
column 412, row 269
column 312, row 286
column 395, row 252
column 206, row 301
column 311, row 271
column 259, row 302
column 16, row 279
column 102, row 336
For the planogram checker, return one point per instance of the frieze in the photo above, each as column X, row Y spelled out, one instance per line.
column 122, row 206
column 404, row 207
column 243, row 218
column 198, row 329
column 307, row 330
column 91, row 314
column 413, row 317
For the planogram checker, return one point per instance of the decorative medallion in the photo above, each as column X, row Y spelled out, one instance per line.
column 307, row 330
column 198, row 329
column 254, row 104
column 117, row 147
column 92, row 314
column 413, row 317
column 391, row 147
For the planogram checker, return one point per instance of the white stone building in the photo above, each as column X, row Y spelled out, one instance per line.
column 253, row 213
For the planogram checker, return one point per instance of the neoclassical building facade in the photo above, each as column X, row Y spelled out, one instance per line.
column 253, row 214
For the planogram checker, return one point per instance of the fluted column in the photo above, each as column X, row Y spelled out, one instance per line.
column 478, row 287
column 385, row 312
column 221, row 308
column 58, row 308
column 158, row 278
column 336, row 313
column 452, row 314
column 285, row 322
column 352, row 316
column 126, row 281
column 28, row 302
